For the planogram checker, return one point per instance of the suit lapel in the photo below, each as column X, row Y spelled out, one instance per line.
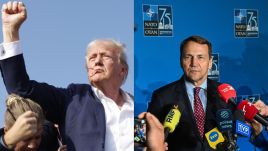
column 182, row 96
column 211, row 106
column 99, row 115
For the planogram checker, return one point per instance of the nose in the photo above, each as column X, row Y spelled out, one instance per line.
column 194, row 61
column 98, row 60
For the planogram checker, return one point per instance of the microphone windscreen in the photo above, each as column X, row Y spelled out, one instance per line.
column 248, row 108
column 226, row 92
column 214, row 137
column 172, row 119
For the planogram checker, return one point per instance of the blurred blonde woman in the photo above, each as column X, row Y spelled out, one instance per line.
column 23, row 125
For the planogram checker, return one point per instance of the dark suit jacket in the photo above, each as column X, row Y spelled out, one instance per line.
column 186, row 136
column 76, row 109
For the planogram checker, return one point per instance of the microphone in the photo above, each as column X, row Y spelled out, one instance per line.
column 224, row 119
column 171, row 121
column 227, row 93
column 214, row 137
column 251, row 112
column 225, row 123
column 241, row 127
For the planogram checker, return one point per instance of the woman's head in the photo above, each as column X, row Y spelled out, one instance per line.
column 16, row 108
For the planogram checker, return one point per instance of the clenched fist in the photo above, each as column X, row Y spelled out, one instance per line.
column 13, row 15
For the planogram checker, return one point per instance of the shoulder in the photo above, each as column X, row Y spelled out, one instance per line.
column 79, row 88
column 171, row 87
column 212, row 83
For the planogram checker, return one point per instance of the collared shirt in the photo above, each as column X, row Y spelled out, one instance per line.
column 202, row 94
column 11, row 49
column 119, row 122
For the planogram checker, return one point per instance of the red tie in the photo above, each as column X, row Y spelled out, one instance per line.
column 199, row 113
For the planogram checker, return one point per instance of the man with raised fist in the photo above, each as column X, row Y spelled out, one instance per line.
column 98, row 116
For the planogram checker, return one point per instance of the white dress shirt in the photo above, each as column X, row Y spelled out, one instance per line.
column 119, row 122
column 11, row 49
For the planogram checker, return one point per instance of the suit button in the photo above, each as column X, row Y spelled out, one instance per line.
column 3, row 52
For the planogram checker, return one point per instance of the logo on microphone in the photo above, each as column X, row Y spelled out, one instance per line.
column 170, row 116
column 225, row 114
column 242, row 128
column 213, row 136
column 224, row 119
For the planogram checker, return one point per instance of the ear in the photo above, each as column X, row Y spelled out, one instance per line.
column 123, row 70
column 5, row 129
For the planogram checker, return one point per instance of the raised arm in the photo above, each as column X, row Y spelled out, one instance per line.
column 13, row 68
column 13, row 15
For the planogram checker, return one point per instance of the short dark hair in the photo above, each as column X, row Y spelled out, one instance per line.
column 197, row 39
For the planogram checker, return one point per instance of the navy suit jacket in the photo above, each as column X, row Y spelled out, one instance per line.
column 79, row 113
column 186, row 136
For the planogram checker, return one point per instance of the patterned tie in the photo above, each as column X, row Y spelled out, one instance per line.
column 199, row 113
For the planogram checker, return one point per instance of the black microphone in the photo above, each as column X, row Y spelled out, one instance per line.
column 225, row 123
column 240, row 127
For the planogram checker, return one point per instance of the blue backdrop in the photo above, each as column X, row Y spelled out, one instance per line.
column 242, row 61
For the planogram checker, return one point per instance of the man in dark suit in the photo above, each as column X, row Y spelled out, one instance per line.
column 97, row 117
column 195, row 95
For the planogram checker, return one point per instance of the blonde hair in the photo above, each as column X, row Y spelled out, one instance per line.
column 17, row 105
column 118, row 46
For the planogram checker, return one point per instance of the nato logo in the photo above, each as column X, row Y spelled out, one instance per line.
column 213, row 136
column 157, row 20
column 214, row 72
column 246, row 23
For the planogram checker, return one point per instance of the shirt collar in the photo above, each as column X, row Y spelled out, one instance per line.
column 126, row 96
column 190, row 85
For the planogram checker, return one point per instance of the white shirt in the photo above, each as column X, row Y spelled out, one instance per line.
column 119, row 122
column 202, row 94
column 8, row 50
